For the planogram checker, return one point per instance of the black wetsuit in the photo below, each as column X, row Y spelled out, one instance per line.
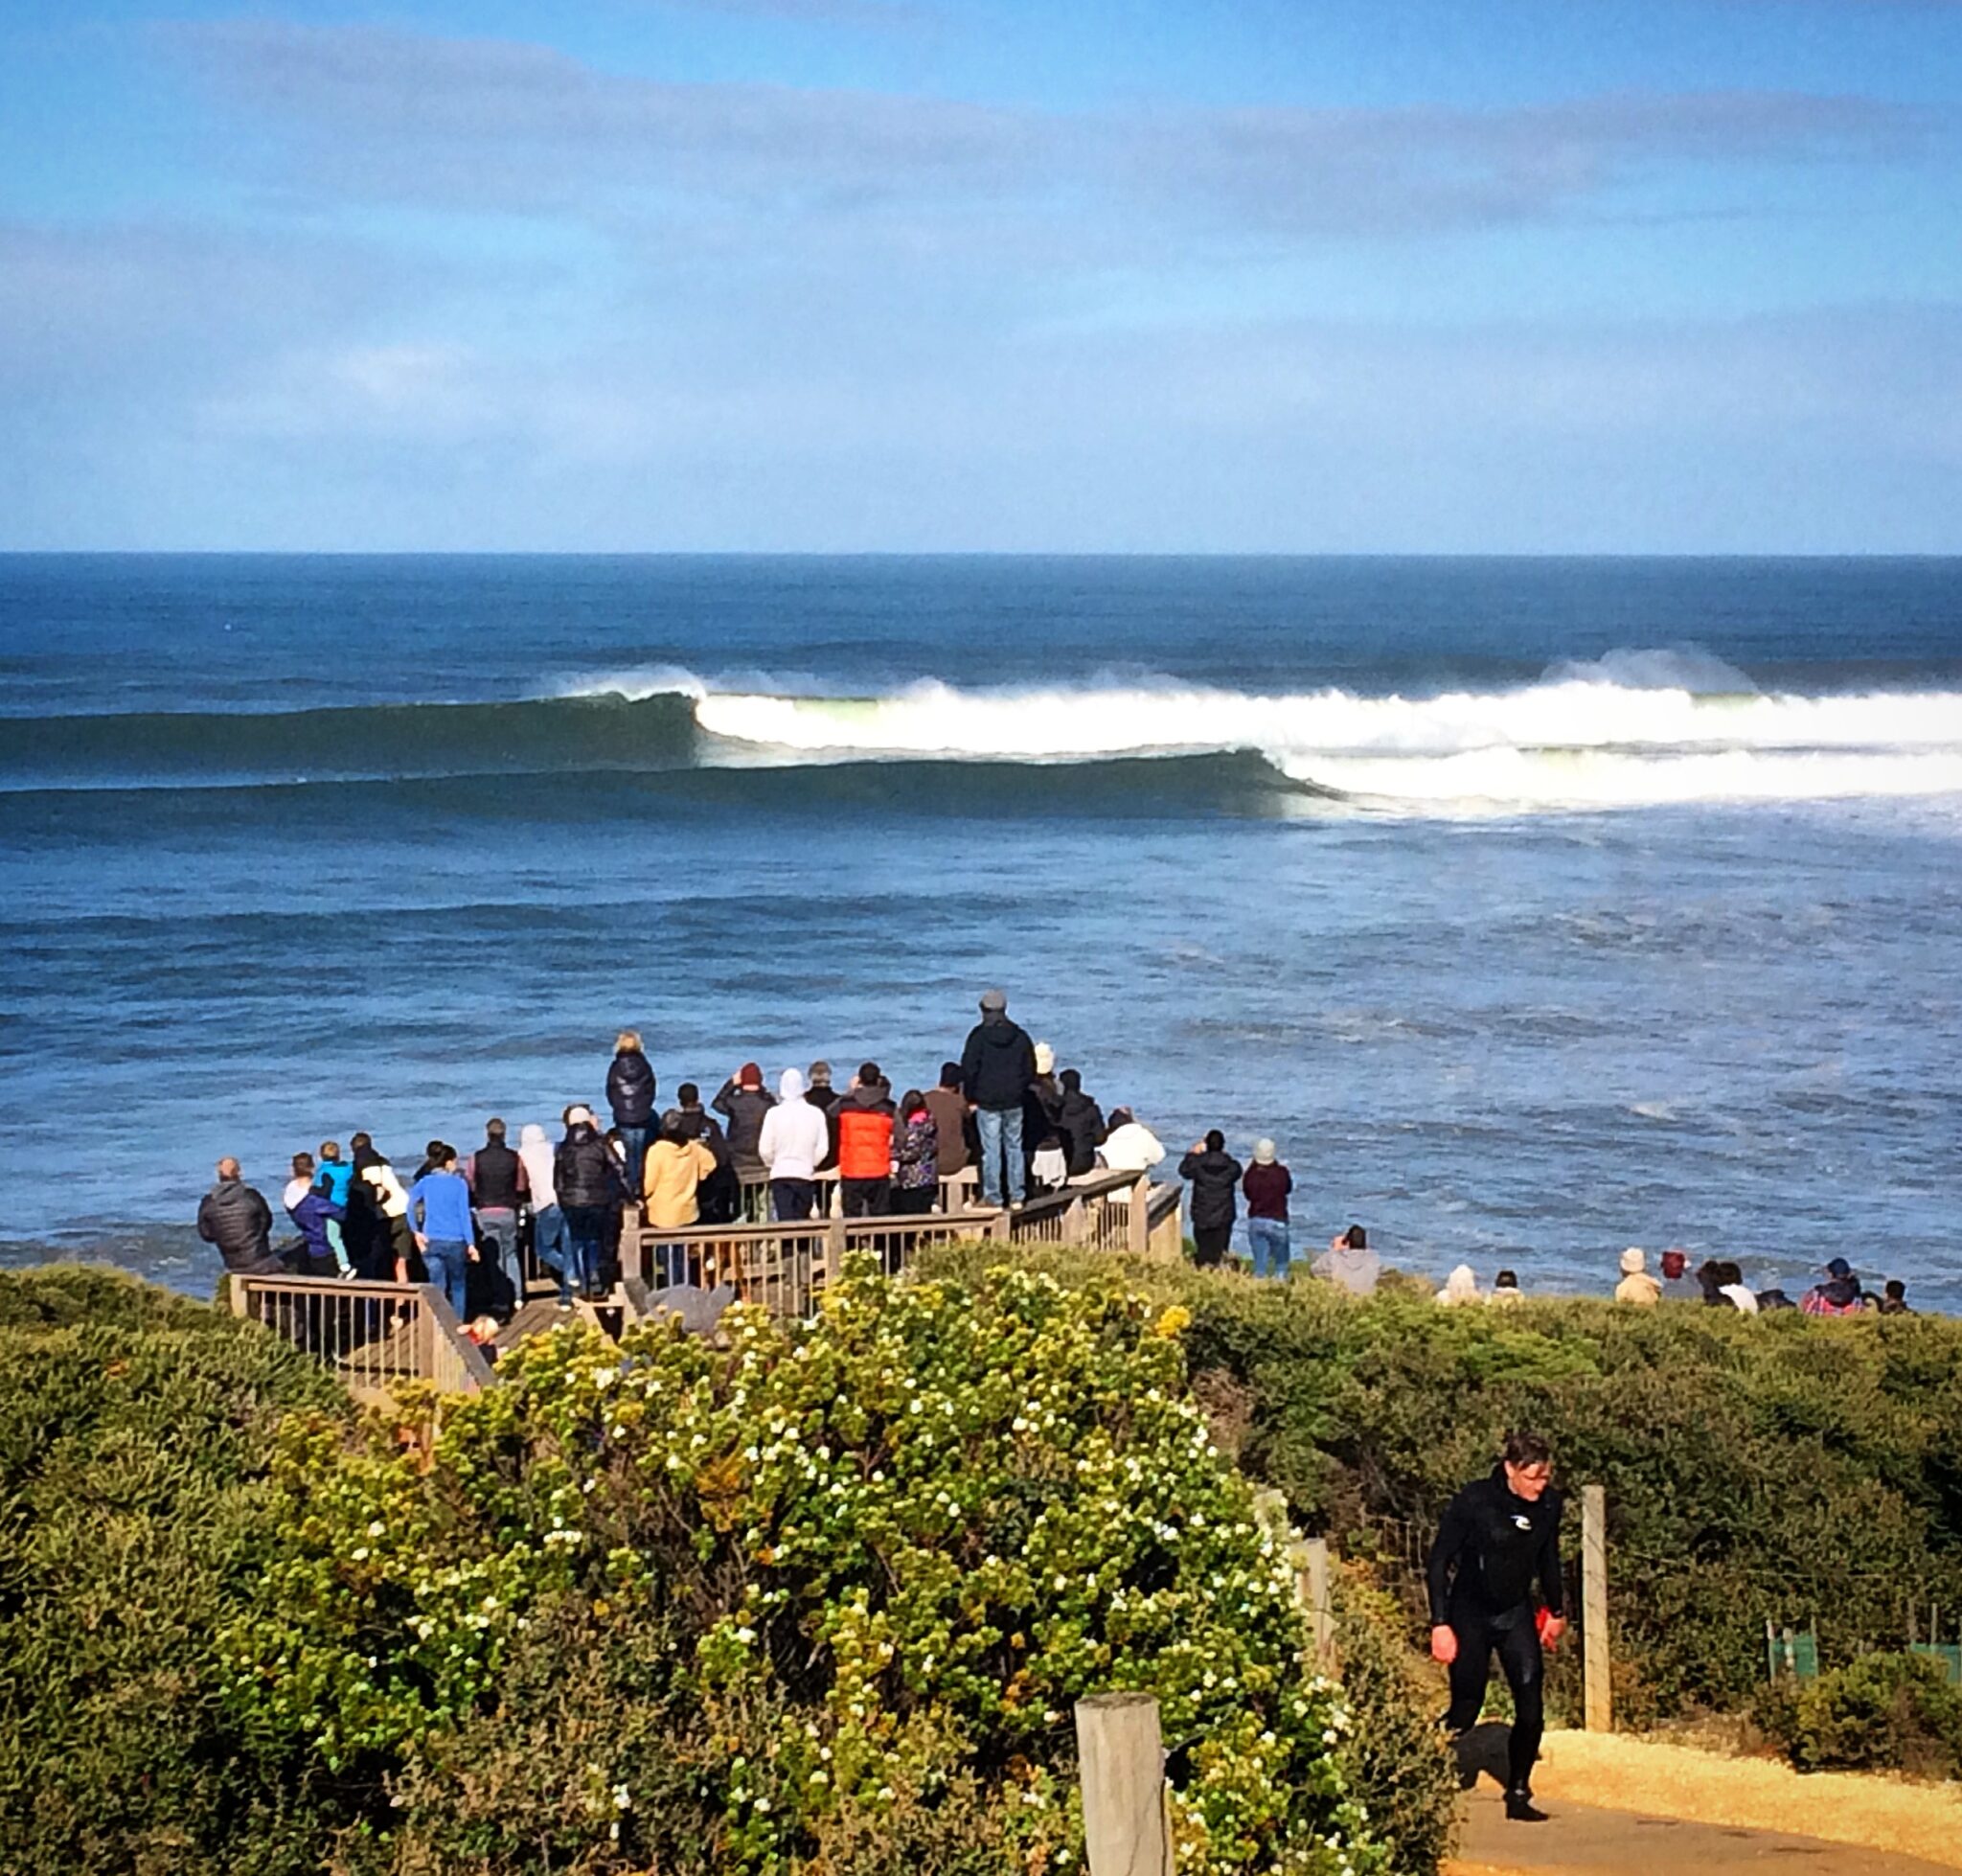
column 1489, row 1550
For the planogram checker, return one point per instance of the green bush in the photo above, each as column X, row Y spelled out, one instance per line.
column 135, row 1432
column 1394, row 1753
column 1895, row 1712
column 828, row 1594
column 1781, row 1467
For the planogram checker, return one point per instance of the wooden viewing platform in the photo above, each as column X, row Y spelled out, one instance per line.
column 377, row 1336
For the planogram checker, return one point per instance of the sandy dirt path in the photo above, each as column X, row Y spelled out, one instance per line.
column 1621, row 1804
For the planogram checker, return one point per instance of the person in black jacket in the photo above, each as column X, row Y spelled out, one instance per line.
column 586, row 1178
column 996, row 1068
column 1215, row 1203
column 631, row 1091
column 1080, row 1121
column 238, row 1221
column 1500, row 1536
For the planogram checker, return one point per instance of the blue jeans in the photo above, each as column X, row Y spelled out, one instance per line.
column 635, row 1140
column 793, row 1201
column 552, row 1246
column 1001, row 1133
column 448, row 1260
column 586, row 1226
column 1268, row 1239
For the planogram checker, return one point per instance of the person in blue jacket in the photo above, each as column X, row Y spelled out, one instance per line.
column 316, row 1215
column 332, row 1180
column 439, row 1217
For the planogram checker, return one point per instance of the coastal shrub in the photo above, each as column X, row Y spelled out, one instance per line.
column 1891, row 1710
column 825, row 1597
column 135, row 1432
column 1782, row 1466
column 1395, row 1755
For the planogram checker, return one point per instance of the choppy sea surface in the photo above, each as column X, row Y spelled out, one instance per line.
column 1535, row 908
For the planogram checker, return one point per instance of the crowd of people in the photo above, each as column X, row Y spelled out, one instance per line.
column 1002, row 1122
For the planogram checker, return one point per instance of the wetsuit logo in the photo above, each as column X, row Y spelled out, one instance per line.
column 1521, row 1520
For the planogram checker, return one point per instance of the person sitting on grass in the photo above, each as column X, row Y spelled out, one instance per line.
column 1894, row 1301
column 1350, row 1263
column 1461, row 1288
column 1636, row 1284
column 1505, row 1291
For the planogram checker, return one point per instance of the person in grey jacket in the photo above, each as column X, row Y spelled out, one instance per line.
column 1349, row 1263
column 238, row 1221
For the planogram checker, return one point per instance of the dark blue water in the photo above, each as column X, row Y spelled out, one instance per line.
column 1535, row 908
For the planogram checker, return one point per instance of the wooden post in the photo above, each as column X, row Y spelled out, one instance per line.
column 1121, row 1760
column 1595, row 1648
column 1139, row 1238
column 1312, row 1584
column 1075, row 1222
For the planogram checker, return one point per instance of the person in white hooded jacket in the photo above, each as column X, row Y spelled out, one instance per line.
column 1129, row 1146
column 551, row 1244
column 794, row 1143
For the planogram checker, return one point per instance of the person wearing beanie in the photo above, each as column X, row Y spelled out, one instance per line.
column 1041, row 1112
column 793, row 1144
column 1636, row 1284
column 997, row 1065
column 743, row 1103
column 1266, row 1184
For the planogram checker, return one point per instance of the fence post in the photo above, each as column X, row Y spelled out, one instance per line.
column 1311, row 1584
column 1121, row 1760
column 1597, row 1681
column 1074, row 1221
column 1138, row 1238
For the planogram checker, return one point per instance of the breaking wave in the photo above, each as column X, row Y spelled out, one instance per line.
column 1630, row 730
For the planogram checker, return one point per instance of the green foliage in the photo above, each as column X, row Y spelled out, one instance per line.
column 1395, row 1755
column 1779, row 1466
column 830, row 1592
column 1896, row 1711
column 135, row 1430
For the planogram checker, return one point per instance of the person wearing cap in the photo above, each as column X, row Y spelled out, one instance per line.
column 743, row 1103
column 1636, row 1284
column 997, row 1065
column 1266, row 1184
column 1840, row 1294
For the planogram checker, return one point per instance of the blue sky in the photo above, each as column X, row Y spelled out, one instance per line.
column 1237, row 275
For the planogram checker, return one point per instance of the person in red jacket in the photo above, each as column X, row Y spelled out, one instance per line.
column 864, row 1120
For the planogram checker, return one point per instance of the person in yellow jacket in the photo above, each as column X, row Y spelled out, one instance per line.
column 675, row 1166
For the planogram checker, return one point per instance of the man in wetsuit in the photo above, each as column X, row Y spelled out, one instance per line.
column 1499, row 1535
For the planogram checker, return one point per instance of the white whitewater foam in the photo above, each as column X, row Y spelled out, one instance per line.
column 1577, row 739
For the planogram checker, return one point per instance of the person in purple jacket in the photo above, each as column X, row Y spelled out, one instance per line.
column 439, row 1217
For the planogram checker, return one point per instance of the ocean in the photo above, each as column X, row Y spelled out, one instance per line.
column 1533, row 907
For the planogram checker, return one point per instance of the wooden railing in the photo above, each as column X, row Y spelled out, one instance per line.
column 374, row 1335
column 785, row 1266
column 377, row 1336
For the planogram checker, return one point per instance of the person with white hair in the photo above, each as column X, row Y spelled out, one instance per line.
column 1266, row 1184
column 1636, row 1284
column 1461, row 1287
